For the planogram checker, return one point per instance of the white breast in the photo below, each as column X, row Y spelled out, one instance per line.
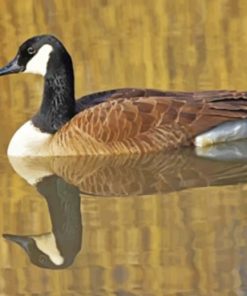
column 29, row 141
column 32, row 169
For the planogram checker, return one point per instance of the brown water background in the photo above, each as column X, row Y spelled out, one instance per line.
column 192, row 242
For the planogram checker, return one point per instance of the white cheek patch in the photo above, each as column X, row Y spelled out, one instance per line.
column 38, row 64
column 47, row 244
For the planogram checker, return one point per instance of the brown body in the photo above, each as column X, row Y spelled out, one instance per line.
column 141, row 121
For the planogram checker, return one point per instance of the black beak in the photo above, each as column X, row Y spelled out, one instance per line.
column 12, row 67
column 22, row 241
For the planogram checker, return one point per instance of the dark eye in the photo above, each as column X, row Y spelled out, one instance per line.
column 42, row 259
column 31, row 50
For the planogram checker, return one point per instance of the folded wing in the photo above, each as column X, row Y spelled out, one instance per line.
column 128, row 121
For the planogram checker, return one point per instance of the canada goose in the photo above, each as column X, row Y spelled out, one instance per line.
column 56, row 249
column 137, row 174
column 116, row 121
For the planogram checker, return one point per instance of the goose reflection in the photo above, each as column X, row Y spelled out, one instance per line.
column 128, row 175
column 63, row 181
column 57, row 249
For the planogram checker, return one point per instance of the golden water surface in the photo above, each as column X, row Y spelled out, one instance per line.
column 157, row 225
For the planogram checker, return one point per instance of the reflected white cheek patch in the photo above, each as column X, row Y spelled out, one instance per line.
column 38, row 64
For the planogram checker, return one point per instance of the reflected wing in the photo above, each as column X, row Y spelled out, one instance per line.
column 136, row 174
column 123, row 175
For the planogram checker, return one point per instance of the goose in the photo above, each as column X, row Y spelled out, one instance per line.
column 138, row 174
column 56, row 249
column 117, row 121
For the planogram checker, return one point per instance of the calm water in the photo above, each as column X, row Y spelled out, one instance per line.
column 153, row 225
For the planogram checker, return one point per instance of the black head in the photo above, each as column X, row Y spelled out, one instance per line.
column 36, row 54
column 37, row 256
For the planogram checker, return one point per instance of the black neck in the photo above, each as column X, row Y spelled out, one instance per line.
column 58, row 104
column 63, row 200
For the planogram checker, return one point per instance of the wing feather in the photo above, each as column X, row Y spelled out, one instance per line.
column 131, row 120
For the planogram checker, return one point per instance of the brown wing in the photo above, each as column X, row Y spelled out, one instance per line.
column 147, row 123
column 216, row 107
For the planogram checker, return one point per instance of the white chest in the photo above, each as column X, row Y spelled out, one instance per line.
column 29, row 141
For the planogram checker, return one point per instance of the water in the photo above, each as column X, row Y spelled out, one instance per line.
column 163, row 224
